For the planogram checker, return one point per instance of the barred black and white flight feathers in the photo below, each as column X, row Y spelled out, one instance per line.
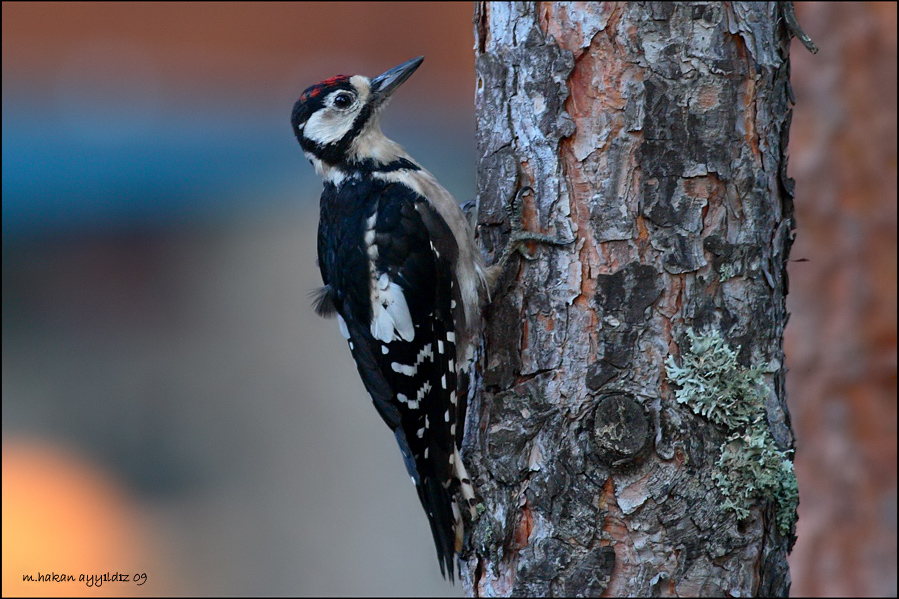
column 396, row 310
column 405, row 280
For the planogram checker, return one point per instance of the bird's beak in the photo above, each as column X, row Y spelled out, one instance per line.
column 386, row 83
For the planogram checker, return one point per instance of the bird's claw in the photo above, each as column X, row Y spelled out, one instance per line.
column 519, row 238
column 520, row 235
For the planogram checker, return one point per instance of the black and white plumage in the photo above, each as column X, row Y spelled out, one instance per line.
column 405, row 280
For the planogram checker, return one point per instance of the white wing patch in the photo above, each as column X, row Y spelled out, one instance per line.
column 391, row 319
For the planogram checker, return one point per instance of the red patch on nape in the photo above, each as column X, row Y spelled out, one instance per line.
column 320, row 87
column 334, row 80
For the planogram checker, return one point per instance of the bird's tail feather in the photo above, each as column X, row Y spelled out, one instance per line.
column 438, row 505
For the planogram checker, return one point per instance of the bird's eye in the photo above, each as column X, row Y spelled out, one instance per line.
column 343, row 100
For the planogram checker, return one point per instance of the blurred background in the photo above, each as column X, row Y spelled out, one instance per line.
column 171, row 405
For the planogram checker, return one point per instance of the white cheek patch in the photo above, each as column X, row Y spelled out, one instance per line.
column 391, row 319
column 328, row 125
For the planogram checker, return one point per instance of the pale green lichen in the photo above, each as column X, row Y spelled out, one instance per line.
column 727, row 271
column 751, row 466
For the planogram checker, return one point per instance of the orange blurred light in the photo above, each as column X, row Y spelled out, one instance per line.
column 64, row 516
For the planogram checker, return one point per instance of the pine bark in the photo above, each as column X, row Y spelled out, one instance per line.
column 655, row 134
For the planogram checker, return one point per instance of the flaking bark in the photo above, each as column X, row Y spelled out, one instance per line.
column 655, row 134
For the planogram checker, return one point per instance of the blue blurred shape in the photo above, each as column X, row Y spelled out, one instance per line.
column 174, row 166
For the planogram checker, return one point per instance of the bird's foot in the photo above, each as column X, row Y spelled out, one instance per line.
column 520, row 236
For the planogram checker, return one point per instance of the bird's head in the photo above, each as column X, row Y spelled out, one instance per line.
column 336, row 121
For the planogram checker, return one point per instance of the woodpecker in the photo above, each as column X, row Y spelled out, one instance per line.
column 405, row 280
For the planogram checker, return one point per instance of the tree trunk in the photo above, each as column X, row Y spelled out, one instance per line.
column 631, row 435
